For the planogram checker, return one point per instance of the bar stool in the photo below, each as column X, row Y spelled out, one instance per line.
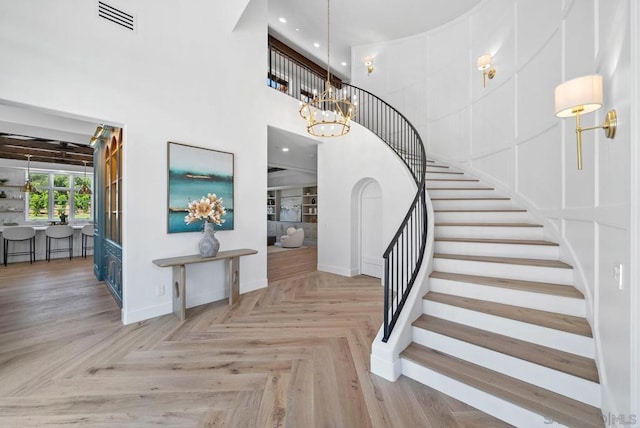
column 59, row 231
column 87, row 232
column 19, row 233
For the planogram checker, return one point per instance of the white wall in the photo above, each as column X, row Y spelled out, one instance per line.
column 172, row 79
column 343, row 164
column 507, row 134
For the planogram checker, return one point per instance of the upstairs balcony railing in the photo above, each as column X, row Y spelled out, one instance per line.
column 292, row 74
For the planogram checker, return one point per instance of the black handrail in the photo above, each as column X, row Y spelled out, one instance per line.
column 404, row 254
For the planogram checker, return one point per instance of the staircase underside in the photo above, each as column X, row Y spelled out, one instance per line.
column 502, row 328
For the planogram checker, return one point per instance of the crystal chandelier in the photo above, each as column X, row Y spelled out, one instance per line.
column 330, row 114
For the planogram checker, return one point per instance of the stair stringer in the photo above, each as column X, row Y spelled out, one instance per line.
column 385, row 357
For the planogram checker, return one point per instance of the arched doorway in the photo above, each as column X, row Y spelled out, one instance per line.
column 370, row 226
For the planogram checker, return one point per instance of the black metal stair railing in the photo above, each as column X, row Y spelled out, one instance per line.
column 404, row 255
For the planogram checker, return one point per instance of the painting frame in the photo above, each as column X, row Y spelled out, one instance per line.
column 291, row 209
column 193, row 172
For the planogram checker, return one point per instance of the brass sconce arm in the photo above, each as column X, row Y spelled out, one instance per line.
column 490, row 74
column 609, row 127
column 484, row 65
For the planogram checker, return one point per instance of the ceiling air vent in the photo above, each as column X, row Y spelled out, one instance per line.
column 116, row 16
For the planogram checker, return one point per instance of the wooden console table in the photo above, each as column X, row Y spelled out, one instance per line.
column 179, row 275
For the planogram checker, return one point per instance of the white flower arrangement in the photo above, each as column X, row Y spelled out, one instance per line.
column 209, row 208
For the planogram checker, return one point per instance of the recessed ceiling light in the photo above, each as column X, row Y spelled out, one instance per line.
column 285, row 149
column 343, row 63
column 297, row 29
column 283, row 20
column 316, row 44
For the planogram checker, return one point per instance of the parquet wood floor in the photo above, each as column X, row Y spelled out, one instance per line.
column 295, row 354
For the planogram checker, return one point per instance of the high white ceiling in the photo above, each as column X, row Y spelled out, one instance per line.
column 353, row 23
column 356, row 22
column 301, row 152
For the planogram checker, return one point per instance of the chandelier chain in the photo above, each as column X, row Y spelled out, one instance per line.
column 329, row 114
column 328, row 42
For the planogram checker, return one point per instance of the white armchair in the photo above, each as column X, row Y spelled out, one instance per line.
column 293, row 238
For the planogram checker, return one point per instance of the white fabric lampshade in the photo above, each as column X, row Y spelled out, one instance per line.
column 585, row 92
column 484, row 62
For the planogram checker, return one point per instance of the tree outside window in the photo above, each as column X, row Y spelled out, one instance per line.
column 57, row 196
column 39, row 202
column 82, row 206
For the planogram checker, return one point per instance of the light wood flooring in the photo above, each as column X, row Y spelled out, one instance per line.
column 295, row 354
column 291, row 262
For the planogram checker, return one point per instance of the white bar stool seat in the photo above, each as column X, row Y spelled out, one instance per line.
column 87, row 232
column 19, row 233
column 59, row 231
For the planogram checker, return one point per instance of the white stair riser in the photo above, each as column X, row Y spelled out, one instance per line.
column 568, row 342
column 489, row 232
column 479, row 216
column 490, row 404
column 544, row 252
column 470, row 204
column 455, row 193
column 504, row 270
column 562, row 383
column 453, row 183
column 508, row 296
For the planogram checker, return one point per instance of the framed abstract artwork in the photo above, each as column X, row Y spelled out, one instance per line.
column 291, row 208
column 194, row 172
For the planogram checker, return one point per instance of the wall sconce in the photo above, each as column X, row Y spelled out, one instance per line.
column 580, row 96
column 98, row 135
column 368, row 62
column 484, row 65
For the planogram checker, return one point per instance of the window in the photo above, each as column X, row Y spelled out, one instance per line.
column 58, row 194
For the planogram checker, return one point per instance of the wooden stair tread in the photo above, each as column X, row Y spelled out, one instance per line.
column 514, row 284
column 460, row 188
column 575, row 365
column 442, row 172
column 566, row 323
column 481, row 211
column 489, row 224
column 453, row 179
column 505, row 260
column 471, row 199
column 541, row 401
column 500, row 241
column 438, row 166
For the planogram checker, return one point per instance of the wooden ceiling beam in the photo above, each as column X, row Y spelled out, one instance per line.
column 47, row 152
column 56, row 146
column 63, row 161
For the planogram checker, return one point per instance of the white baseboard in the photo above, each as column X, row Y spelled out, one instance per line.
column 147, row 313
column 192, row 301
column 253, row 285
column 343, row 271
column 386, row 369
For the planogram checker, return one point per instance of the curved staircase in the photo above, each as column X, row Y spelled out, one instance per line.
column 502, row 328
